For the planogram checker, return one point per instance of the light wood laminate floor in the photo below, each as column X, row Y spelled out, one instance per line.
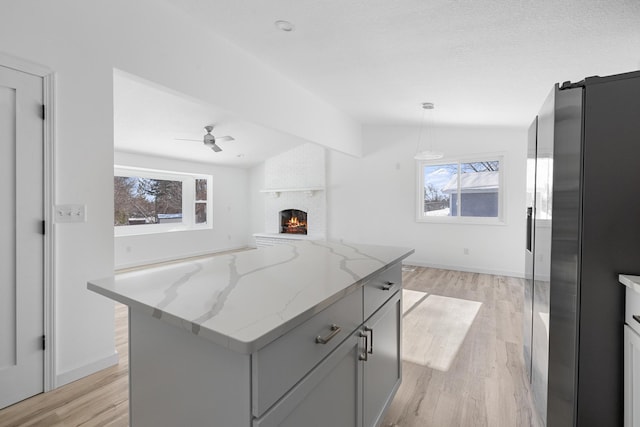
column 484, row 384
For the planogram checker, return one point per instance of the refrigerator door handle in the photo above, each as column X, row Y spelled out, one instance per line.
column 529, row 227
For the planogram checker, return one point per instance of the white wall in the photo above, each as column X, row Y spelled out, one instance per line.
column 83, row 41
column 373, row 199
column 257, row 202
column 230, row 216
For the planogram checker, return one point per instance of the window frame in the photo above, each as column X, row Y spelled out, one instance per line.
column 188, row 201
column 420, row 165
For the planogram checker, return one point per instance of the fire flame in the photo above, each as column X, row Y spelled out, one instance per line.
column 295, row 222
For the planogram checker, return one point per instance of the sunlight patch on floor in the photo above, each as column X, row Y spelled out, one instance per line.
column 410, row 299
column 435, row 327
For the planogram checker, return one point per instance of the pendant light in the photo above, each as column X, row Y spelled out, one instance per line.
column 429, row 154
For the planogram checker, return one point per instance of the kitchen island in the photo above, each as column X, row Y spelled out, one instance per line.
column 295, row 334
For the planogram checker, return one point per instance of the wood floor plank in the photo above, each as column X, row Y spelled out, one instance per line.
column 485, row 384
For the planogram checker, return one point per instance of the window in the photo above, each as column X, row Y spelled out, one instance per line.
column 151, row 201
column 201, row 201
column 461, row 190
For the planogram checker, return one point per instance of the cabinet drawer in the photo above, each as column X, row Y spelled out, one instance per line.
column 281, row 364
column 330, row 395
column 380, row 288
column 632, row 308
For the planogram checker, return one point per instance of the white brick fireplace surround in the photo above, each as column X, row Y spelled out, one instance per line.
column 295, row 180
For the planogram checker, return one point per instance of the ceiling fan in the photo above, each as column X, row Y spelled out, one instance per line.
column 210, row 140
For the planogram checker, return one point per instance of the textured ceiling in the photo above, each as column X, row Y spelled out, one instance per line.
column 483, row 62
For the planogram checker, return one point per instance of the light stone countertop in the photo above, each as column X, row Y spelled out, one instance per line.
column 244, row 301
column 630, row 281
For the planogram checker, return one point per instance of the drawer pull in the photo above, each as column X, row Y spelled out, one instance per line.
column 368, row 329
column 636, row 317
column 387, row 286
column 364, row 356
column 335, row 330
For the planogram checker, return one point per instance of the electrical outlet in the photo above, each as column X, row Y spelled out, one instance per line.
column 71, row 213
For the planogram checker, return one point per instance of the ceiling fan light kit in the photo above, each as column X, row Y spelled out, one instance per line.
column 209, row 140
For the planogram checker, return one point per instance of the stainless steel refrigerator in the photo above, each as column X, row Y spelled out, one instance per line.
column 583, row 229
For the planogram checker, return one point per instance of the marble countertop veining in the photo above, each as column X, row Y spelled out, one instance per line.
column 630, row 281
column 245, row 300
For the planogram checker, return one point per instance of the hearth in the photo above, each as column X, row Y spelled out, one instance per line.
column 293, row 221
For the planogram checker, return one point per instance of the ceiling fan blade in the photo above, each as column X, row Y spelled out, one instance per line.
column 185, row 139
column 225, row 138
column 216, row 148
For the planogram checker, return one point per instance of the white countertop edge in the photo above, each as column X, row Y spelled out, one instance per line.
column 283, row 328
column 630, row 281
column 245, row 347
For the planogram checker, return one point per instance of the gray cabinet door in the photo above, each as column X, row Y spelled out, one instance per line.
column 631, row 378
column 330, row 395
column 383, row 367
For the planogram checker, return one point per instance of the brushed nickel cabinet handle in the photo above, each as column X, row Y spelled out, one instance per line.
column 364, row 356
column 368, row 329
column 636, row 317
column 387, row 286
column 335, row 330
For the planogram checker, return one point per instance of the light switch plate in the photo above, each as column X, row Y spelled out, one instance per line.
column 71, row 213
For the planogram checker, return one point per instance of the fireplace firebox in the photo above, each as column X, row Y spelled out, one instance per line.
column 293, row 221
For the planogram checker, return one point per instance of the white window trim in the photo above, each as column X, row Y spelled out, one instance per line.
column 420, row 217
column 188, row 201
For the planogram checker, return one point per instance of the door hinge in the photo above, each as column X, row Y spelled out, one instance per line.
column 44, row 342
column 43, row 109
column 43, row 228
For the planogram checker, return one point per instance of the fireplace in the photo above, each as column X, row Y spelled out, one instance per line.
column 293, row 221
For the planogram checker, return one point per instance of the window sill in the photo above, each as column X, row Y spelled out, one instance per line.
column 461, row 220
column 142, row 230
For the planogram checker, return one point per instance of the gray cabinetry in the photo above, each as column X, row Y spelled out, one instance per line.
column 329, row 396
column 354, row 384
column 383, row 368
column 291, row 335
column 631, row 377
column 280, row 365
column 380, row 288
column 351, row 386
column 632, row 351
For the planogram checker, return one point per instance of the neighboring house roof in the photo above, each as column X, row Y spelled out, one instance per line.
column 474, row 182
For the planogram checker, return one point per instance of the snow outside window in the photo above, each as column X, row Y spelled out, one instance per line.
column 461, row 190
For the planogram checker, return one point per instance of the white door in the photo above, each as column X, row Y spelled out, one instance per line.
column 21, row 238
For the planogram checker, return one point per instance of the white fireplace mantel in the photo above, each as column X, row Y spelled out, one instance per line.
column 308, row 191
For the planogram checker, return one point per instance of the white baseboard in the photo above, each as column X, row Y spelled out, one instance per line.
column 83, row 371
column 468, row 269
